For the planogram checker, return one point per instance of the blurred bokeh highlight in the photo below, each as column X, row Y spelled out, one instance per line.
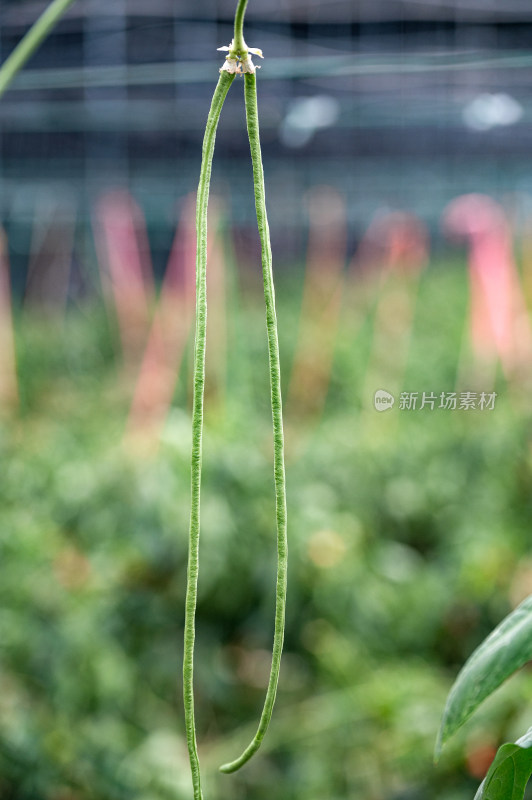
column 397, row 141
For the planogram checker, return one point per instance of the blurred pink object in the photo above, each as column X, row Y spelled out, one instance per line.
column 499, row 320
column 395, row 240
column 123, row 248
column 52, row 245
column 8, row 373
column 390, row 259
column 322, row 296
column 169, row 331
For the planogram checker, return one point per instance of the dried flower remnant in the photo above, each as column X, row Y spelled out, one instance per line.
column 247, row 63
column 239, row 62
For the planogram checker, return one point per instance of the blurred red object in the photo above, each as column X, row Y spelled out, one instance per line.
column 500, row 326
column 125, row 267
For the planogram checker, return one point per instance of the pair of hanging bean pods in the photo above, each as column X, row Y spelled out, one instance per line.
column 238, row 61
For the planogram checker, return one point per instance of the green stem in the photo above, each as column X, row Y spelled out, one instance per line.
column 239, row 43
column 252, row 118
column 31, row 41
column 219, row 96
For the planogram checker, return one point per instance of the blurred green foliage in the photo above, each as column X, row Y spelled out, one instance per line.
column 409, row 540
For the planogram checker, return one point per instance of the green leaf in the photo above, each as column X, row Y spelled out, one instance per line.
column 505, row 650
column 509, row 772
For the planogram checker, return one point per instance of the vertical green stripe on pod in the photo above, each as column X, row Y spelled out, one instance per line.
column 250, row 89
column 219, row 96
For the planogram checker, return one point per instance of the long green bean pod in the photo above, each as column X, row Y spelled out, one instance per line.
column 219, row 96
column 252, row 118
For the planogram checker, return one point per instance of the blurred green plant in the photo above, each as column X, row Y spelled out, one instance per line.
column 507, row 649
column 410, row 533
column 509, row 772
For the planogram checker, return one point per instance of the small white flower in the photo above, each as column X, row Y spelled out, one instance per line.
column 231, row 64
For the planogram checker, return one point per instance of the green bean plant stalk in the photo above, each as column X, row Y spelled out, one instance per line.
column 238, row 62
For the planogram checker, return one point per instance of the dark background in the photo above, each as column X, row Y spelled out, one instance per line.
column 119, row 92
